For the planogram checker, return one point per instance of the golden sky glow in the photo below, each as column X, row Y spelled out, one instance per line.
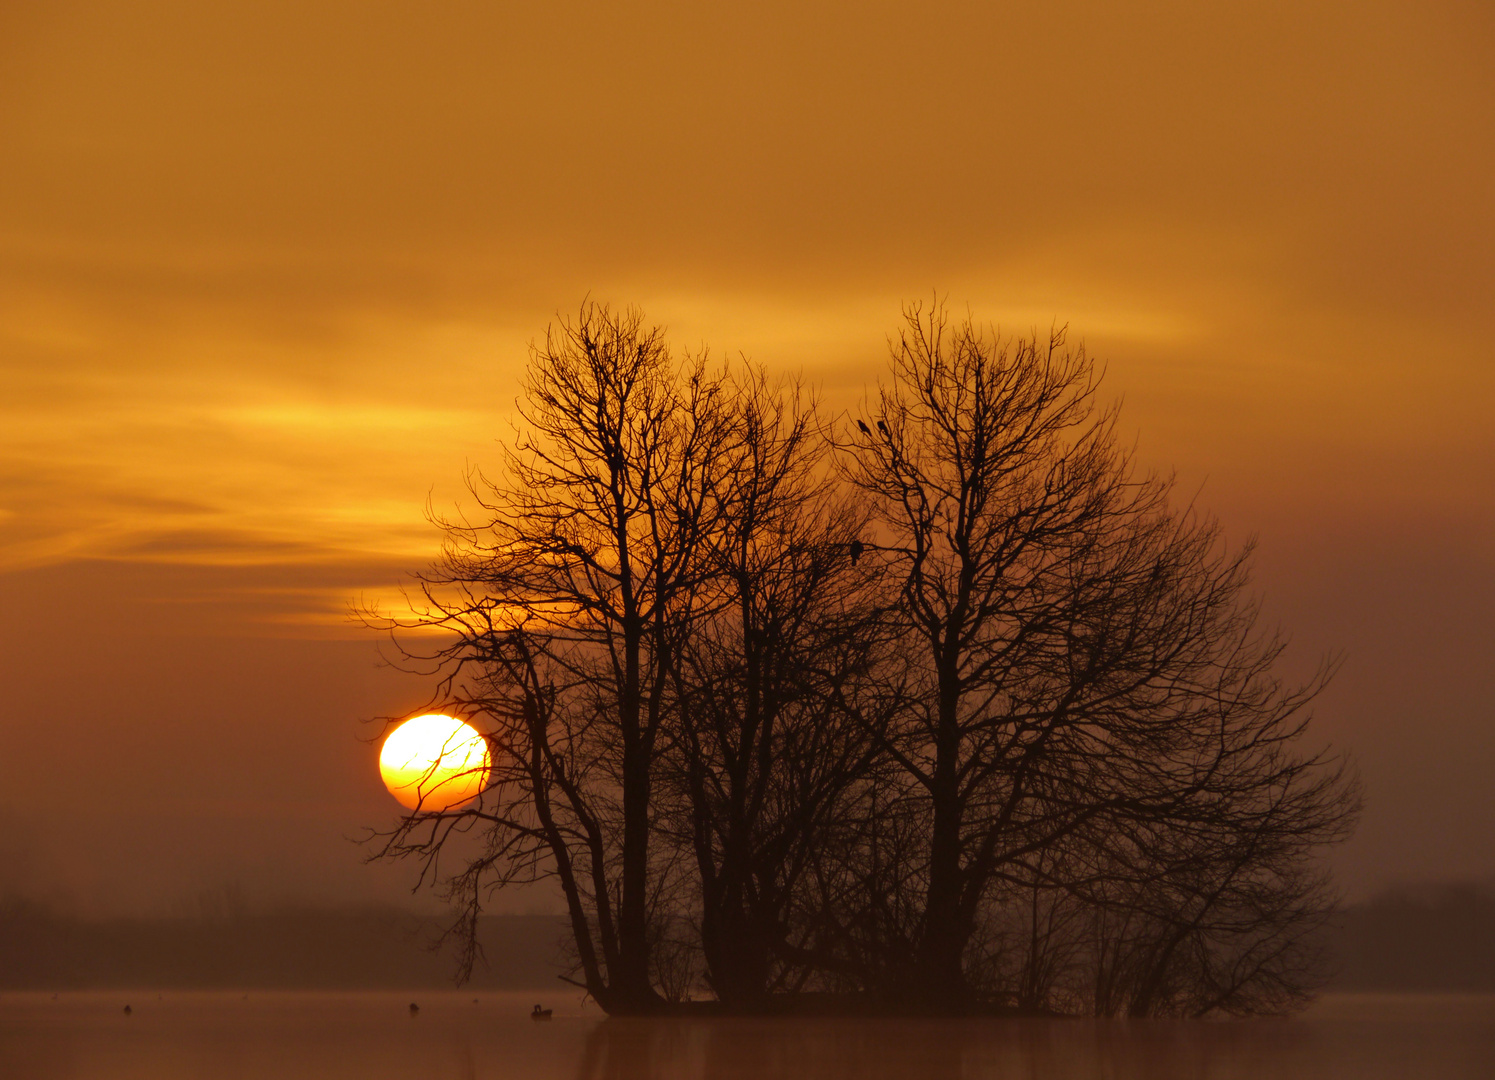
column 268, row 271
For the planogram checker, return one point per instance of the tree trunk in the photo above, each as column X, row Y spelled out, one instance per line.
column 939, row 980
column 630, row 984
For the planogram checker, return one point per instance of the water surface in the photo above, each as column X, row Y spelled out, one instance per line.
column 462, row 1036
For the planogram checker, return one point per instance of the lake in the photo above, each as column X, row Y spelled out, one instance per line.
column 464, row 1036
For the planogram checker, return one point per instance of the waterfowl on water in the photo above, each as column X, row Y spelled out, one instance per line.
column 414, row 1008
column 538, row 1013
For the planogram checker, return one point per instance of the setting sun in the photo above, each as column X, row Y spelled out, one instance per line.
column 434, row 762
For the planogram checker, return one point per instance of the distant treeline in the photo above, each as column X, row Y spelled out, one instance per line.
column 293, row 949
column 1422, row 938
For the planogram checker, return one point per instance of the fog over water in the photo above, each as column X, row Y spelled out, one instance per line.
column 462, row 1036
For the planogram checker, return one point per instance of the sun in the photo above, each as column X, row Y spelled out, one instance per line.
column 434, row 762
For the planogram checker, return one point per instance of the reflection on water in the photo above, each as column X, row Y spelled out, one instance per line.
column 454, row 1037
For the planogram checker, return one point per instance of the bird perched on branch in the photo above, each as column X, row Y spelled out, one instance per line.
column 856, row 549
column 865, row 429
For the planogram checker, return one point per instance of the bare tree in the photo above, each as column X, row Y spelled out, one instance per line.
column 773, row 734
column 567, row 600
column 1085, row 654
column 1219, row 905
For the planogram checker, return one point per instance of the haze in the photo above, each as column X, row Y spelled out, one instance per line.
column 268, row 272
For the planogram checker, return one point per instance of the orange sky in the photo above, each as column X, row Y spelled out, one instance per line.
column 268, row 271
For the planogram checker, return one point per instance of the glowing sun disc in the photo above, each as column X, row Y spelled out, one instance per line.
column 434, row 762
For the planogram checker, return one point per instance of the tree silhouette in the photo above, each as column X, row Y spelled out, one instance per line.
column 568, row 599
column 773, row 692
column 1088, row 661
column 957, row 712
